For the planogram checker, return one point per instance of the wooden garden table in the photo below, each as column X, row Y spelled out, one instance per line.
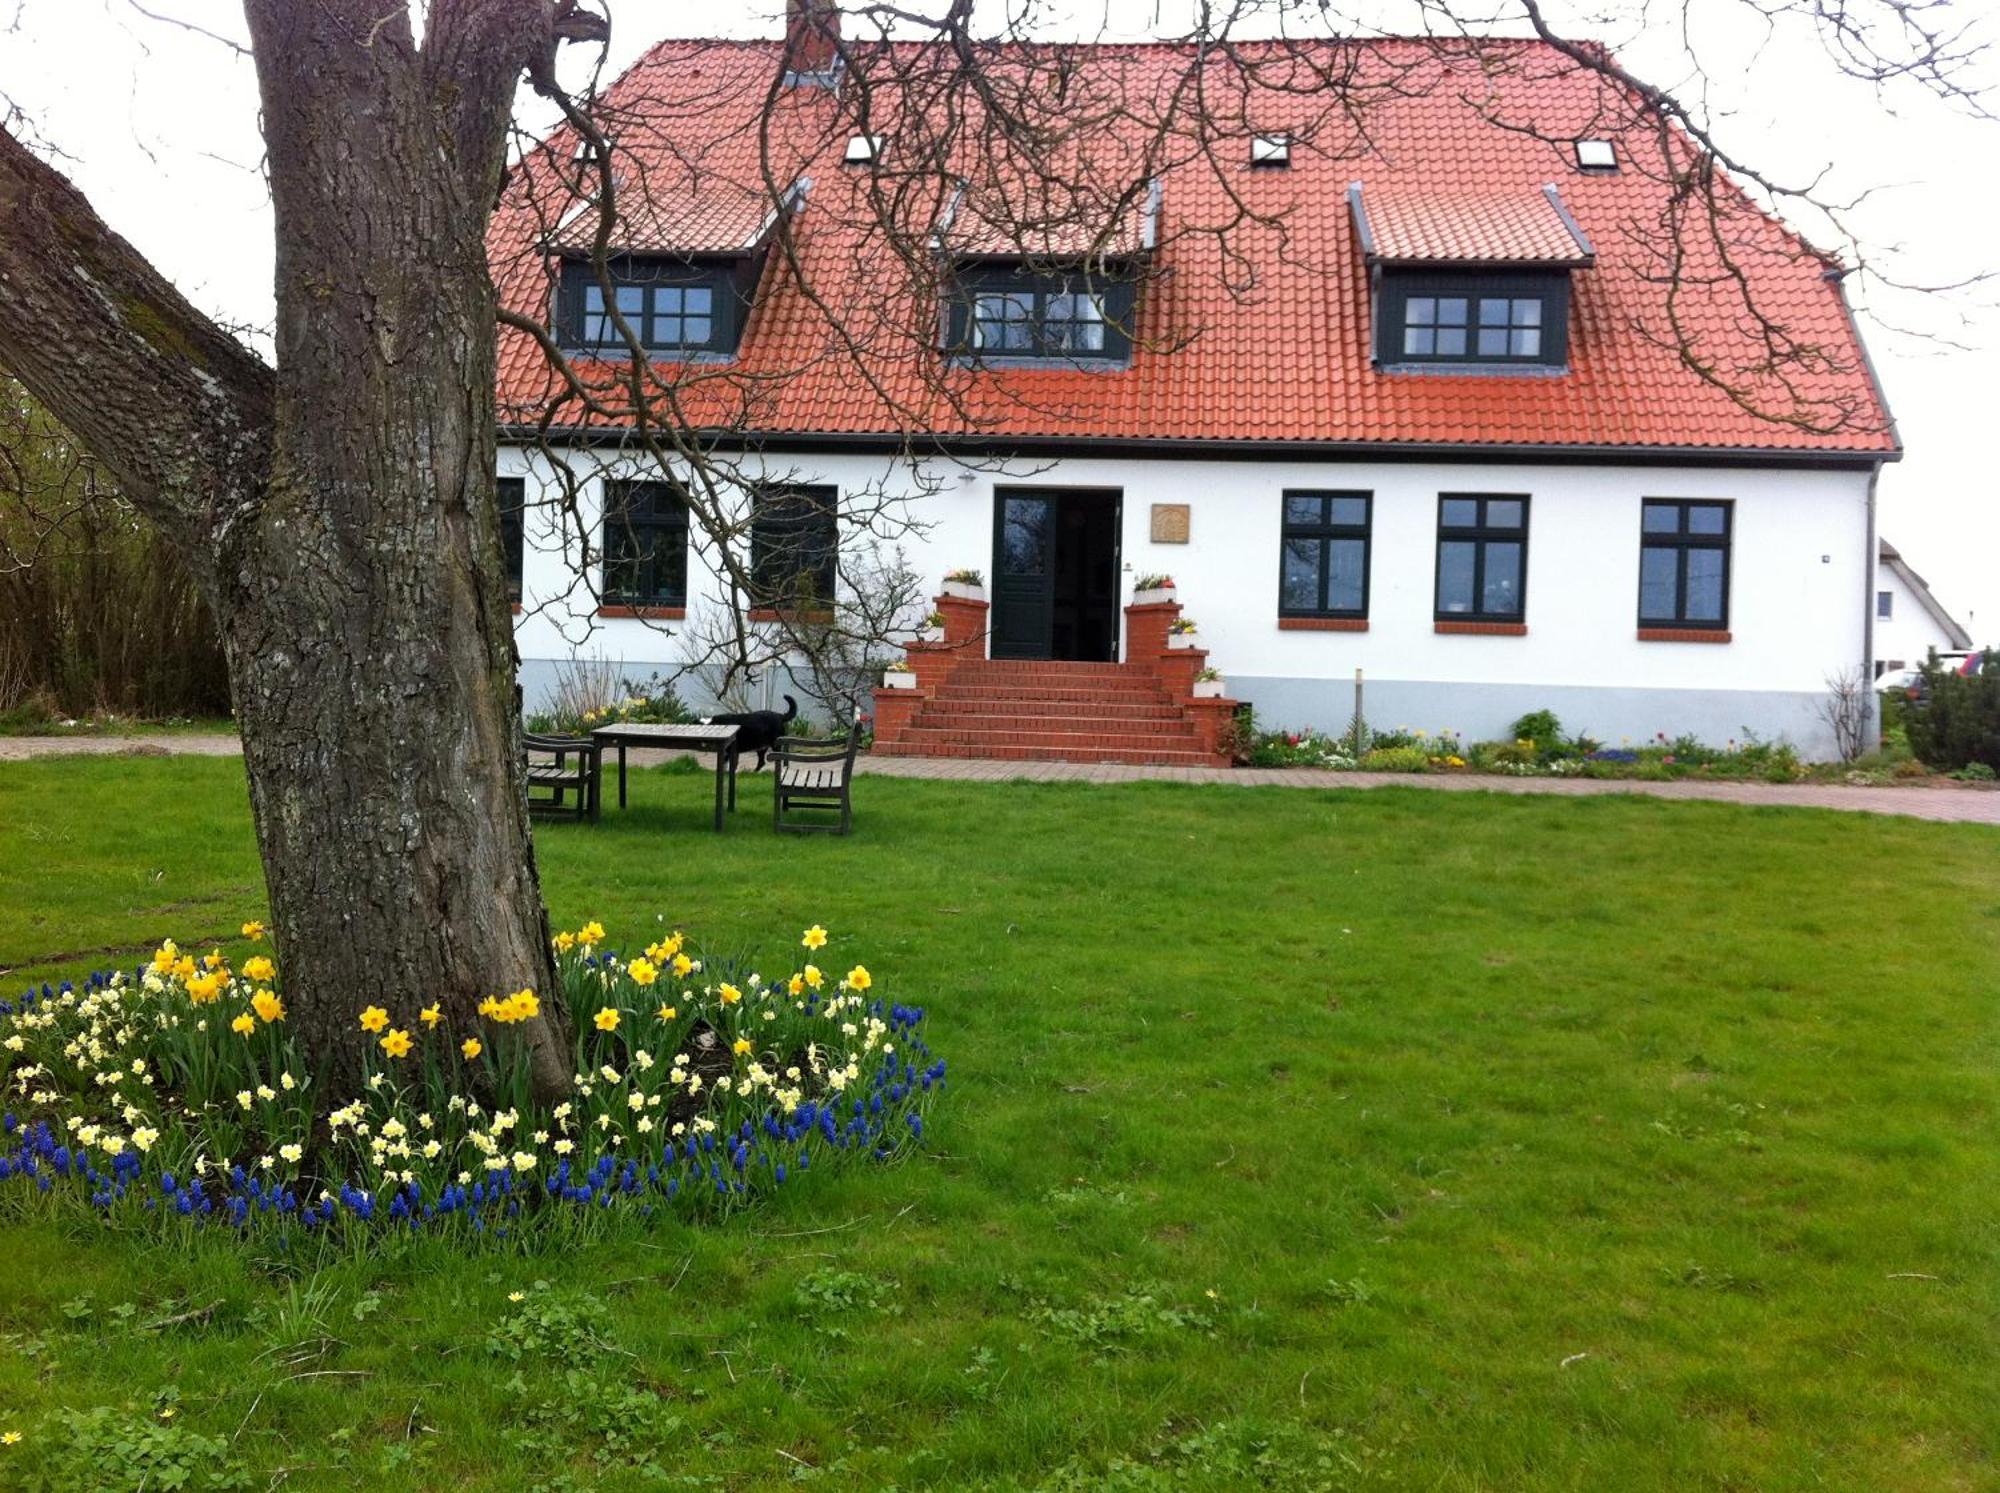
column 716, row 739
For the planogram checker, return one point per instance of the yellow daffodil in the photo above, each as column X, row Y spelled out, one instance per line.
column 373, row 1019
column 730, row 994
column 665, row 949
column 742, row 1047
column 796, row 985
column 606, row 1020
column 815, row 937
column 520, row 1006
column 813, row 976
column 643, row 971
column 858, row 978
column 396, row 1043
column 257, row 967
column 184, row 967
column 214, row 960
column 668, row 1013
column 471, row 1048
column 204, row 988
column 268, row 1006
column 165, row 955
column 253, row 930
column 430, row 1015
column 590, row 935
column 682, row 964
column 564, row 942
column 245, row 1023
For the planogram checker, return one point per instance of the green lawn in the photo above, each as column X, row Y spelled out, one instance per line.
column 1372, row 1139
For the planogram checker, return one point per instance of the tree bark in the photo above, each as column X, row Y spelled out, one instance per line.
column 340, row 513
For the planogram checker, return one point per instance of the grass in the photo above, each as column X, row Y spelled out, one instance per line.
column 1294, row 1139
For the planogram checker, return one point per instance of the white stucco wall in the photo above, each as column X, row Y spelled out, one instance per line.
column 1906, row 636
column 1801, row 579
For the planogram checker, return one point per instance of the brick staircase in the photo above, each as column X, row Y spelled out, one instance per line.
column 966, row 705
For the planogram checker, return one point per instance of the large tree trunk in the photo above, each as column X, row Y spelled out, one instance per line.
column 341, row 516
column 366, row 611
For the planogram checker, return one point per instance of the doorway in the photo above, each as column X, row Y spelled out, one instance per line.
column 1055, row 573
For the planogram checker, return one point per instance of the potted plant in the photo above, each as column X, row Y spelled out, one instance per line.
column 899, row 675
column 969, row 584
column 1150, row 590
column 1181, row 634
column 1208, row 684
column 933, row 628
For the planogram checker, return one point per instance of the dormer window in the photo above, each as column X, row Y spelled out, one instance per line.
column 1474, row 319
column 676, row 308
column 863, row 150
column 1006, row 312
column 1478, row 281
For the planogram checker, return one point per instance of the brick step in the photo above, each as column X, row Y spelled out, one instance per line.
column 1152, row 757
column 1061, row 676
column 922, row 733
column 995, row 715
column 1081, row 699
column 987, row 689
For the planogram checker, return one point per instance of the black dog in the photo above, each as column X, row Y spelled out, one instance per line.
column 758, row 731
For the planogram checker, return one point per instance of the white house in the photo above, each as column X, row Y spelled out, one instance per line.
column 1909, row 621
column 1451, row 426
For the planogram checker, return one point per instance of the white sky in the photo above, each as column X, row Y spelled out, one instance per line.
column 159, row 128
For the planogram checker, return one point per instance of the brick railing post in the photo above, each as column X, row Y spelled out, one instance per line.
column 1212, row 719
column 894, row 709
column 1146, row 630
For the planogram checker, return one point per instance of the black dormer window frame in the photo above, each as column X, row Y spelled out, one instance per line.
column 1014, row 312
column 663, row 300
column 1455, row 340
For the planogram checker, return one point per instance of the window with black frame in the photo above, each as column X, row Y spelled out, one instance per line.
column 1003, row 311
column 511, row 495
column 1684, row 563
column 671, row 306
column 1323, row 564
column 795, row 547
column 1482, row 563
column 1474, row 319
column 645, row 544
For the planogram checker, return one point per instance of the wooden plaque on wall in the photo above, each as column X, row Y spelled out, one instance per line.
column 1170, row 523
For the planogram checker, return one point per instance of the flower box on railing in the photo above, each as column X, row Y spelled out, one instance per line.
column 904, row 678
column 1152, row 590
column 1208, row 689
column 968, row 585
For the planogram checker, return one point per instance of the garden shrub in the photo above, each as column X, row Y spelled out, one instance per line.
column 1956, row 722
column 1396, row 759
column 175, row 1095
column 1540, row 727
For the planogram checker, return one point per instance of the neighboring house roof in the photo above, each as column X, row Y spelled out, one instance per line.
column 1900, row 568
column 1253, row 321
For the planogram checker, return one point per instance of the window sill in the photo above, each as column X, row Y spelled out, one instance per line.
column 651, row 613
column 1683, row 635
column 789, row 614
column 1322, row 624
column 1482, row 629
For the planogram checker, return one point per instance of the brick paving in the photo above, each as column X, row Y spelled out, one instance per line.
column 1961, row 805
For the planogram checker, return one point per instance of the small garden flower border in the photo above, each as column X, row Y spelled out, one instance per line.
column 174, row 1096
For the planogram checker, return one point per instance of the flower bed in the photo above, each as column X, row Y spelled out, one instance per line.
column 177, row 1093
column 1539, row 748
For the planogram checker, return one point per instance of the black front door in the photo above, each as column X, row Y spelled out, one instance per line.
column 1055, row 574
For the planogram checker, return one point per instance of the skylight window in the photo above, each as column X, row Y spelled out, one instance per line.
column 1272, row 150
column 1597, row 155
column 861, row 149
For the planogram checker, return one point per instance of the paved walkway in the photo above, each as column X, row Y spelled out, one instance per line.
column 1965, row 805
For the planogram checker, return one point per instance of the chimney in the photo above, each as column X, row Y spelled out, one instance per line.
column 812, row 32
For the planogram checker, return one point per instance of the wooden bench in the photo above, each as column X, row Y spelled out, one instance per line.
column 813, row 775
column 554, row 776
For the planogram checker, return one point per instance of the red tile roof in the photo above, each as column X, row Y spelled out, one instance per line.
column 1413, row 225
column 1253, row 324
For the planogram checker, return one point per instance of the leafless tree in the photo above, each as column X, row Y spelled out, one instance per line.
column 1847, row 707
column 338, row 508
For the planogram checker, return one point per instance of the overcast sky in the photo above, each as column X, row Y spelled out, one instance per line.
column 159, row 128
